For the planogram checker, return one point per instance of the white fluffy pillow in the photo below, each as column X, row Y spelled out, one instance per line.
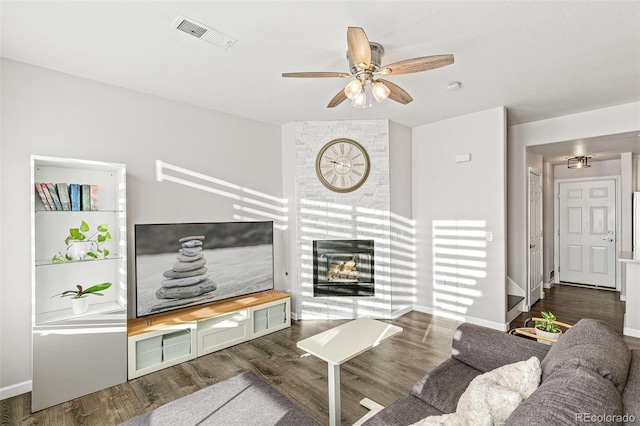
column 491, row 397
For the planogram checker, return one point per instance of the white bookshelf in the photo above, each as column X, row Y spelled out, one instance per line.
column 97, row 337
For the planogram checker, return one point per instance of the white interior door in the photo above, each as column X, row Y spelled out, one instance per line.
column 587, row 232
column 535, row 238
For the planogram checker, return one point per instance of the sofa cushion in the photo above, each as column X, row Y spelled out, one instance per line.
column 592, row 344
column 486, row 349
column 569, row 397
column 443, row 386
column 631, row 393
column 491, row 397
column 405, row 411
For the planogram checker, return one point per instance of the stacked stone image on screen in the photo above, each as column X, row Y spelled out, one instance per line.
column 188, row 278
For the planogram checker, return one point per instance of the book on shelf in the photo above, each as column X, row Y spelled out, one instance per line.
column 93, row 196
column 63, row 193
column 74, row 195
column 47, row 194
column 85, row 196
column 43, row 197
column 54, row 196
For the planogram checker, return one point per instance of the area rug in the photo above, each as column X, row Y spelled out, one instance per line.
column 242, row 400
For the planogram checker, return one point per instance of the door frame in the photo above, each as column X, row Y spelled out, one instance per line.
column 530, row 171
column 556, row 223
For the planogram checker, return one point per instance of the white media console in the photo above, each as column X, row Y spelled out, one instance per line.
column 170, row 338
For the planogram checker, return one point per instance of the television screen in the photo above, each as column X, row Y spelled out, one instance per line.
column 187, row 264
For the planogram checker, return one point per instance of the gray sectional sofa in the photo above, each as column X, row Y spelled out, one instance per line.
column 589, row 376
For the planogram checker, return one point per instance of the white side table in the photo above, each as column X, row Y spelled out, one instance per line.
column 342, row 343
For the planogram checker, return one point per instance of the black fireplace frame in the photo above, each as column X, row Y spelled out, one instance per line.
column 343, row 289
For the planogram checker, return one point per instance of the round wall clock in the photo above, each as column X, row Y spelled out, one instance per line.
column 342, row 165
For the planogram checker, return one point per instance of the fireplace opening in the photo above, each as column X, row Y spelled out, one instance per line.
column 343, row 268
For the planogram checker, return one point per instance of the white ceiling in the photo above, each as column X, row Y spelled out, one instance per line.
column 540, row 59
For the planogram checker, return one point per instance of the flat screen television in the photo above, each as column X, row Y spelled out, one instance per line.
column 187, row 264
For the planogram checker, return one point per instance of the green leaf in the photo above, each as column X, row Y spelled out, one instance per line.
column 103, row 228
column 75, row 234
column 101, row 239
column 92, row 254
column 106, row 252
column 84, row 227
column 97, row 287
column 68, row 258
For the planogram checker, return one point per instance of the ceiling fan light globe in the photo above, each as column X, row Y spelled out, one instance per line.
column 363, row 100
column 353, row 89
column 380, row 91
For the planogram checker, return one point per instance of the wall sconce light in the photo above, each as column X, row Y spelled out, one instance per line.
column 579, row 162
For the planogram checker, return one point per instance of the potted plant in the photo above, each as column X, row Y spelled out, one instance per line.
column 547, row 327
column 79, row 246
column 79, row 300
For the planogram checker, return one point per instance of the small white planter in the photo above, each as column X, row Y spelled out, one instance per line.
column 80, row 306
column 543, row 333
column 78, row 250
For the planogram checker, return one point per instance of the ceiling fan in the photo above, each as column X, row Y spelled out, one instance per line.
column 364, row 64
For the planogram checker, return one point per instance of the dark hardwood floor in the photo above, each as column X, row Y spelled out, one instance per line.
column 572, row 303
column 383, row 374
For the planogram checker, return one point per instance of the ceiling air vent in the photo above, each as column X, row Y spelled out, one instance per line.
column 203, row 32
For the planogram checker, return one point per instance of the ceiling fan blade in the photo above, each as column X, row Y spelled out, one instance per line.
column 316, row 74
column 424, row 63
column 397, row 93
column 337, row 99
column 359, row 47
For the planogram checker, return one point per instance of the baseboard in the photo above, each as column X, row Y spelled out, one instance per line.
column 548, row 285
column 632, row 332
column 294, row 316
column 500, row 326
column 14, row 390
column 623, row 297
column 423, row 309
column 477, row 321
column 401, row 312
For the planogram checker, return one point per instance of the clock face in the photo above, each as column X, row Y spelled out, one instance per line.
column 342, row 165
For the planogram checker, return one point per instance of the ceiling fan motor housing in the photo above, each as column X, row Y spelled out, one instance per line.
column 376, row 59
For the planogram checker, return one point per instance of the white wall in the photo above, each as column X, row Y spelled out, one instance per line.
column 401, row 221
column 290, row 265
column 548, row 262
column 607, row 121
column 55, row 114
column 461, row 202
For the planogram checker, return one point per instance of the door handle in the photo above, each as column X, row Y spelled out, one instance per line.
column 608, row 239
column 531, row 246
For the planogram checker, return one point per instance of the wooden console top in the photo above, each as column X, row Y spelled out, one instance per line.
column 195, row 313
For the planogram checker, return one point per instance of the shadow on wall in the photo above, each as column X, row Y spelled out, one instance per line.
column 251, row 205
column 393, row 235
column 459, row 259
